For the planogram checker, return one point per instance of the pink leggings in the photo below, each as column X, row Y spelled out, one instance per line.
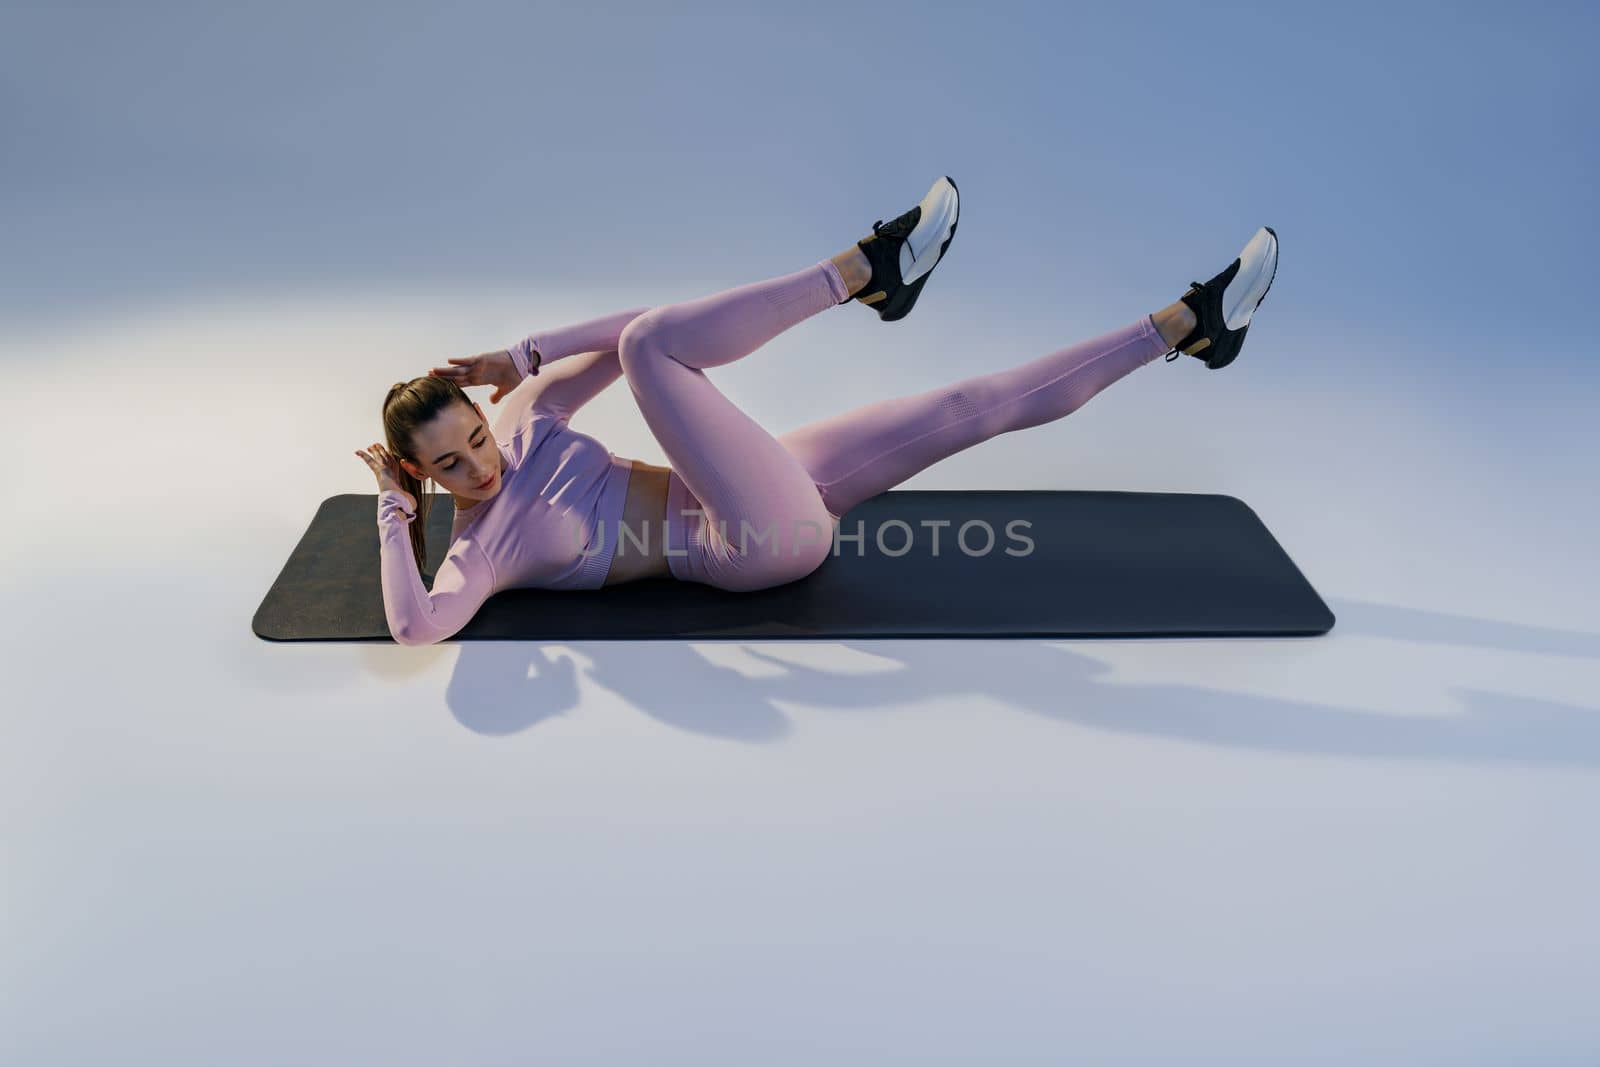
column 771, row 504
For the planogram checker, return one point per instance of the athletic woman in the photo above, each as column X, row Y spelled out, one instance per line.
column 541, row 505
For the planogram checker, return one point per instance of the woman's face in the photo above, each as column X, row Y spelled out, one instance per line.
column 456, row 449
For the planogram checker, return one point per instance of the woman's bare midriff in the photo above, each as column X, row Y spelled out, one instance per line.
column 646, row 509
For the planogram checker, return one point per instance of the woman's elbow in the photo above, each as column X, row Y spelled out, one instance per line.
column 413, row 635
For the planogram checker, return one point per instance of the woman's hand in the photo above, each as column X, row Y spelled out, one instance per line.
column 485, row 368
column 386, row 465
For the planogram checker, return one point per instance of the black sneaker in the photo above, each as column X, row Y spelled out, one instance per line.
column 904, row 251
column 1223, row 306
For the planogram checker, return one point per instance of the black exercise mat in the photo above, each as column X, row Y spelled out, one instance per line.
column 1100, row 564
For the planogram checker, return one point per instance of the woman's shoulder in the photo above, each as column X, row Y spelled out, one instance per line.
column 521, row 410
column 524, row 433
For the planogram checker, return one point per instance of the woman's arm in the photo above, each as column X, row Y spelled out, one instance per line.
column 591, row 335
column 585, row 361
column 465, row 579
column 574, row 382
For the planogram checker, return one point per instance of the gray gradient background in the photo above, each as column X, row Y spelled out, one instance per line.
column 229, row 228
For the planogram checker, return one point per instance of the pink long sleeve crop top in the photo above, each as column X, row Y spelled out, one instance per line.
column 554, row 522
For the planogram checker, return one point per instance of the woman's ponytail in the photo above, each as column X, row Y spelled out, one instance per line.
column 407, row 407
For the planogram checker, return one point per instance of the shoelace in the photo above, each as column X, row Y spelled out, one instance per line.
column 899, row 226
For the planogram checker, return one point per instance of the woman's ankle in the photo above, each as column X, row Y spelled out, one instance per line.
column 854, row 268
column 1174, row 322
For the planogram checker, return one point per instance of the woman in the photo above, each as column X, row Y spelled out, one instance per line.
column 741, row 509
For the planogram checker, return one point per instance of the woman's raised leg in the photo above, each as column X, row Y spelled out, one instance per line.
column 863, row 452
column 766, row 522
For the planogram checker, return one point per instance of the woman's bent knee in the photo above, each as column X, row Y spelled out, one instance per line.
column 645, row 332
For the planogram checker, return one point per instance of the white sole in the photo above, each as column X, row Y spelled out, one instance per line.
column 1258, row 263
column 940, row 210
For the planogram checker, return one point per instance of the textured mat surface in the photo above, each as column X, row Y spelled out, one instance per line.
column 1035, row 563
